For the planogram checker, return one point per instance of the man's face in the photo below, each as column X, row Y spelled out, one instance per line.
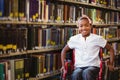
column 84, row 27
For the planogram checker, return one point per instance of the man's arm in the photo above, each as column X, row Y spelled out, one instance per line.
column 112, row 55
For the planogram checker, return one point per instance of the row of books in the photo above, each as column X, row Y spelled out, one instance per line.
column 35, row 66
column 51, row 36
column 70, row 13
column 107, row 33
column 46, row 11
column 14, row 69
column 45, row 64
column 17, row 39
column 105, row 3
column 13, row 39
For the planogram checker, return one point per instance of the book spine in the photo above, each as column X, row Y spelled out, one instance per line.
column 27, row 63
column 22, row 9
column 19, row 69
column 1, row 8
column 2, row 72
column 33, row 10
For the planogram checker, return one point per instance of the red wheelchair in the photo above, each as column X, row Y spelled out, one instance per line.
column 65, row 75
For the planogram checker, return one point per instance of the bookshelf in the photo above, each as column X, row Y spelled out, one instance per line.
column 51, row 22
column 89, row 3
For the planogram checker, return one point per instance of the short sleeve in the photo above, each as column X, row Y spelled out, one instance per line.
column 70, row 43
column 102, row 42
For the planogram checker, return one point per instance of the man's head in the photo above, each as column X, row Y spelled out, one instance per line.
column 84, row 25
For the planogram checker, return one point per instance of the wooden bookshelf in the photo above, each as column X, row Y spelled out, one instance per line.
column 55, row 24
column 41, row 50
column 13, row 22
column 47, row 75
column 27, row 52
column 89, row 5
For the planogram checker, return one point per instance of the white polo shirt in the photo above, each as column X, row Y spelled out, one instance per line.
column 87, row 51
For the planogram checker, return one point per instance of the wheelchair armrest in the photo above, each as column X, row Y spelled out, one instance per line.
column 69, row 67
column 101, row 71
column 103, row 68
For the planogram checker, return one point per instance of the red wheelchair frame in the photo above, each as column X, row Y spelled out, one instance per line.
column 69, row 67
